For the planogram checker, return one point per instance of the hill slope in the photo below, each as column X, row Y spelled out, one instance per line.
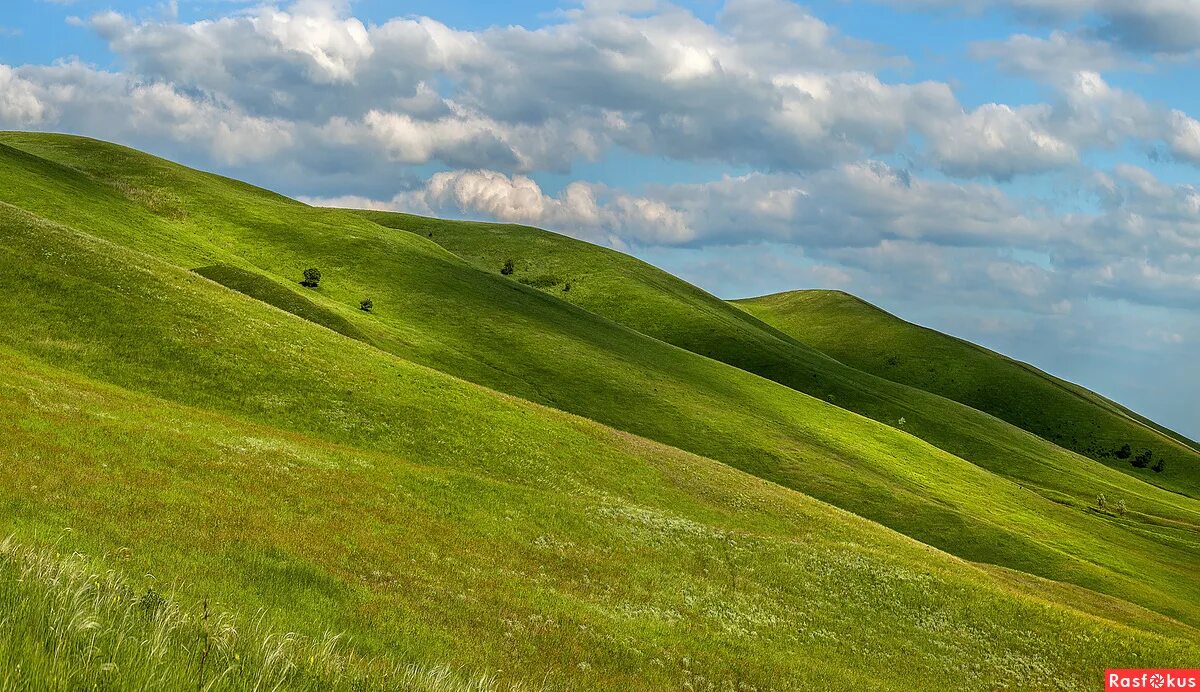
column 865, row 337
column 337, row 484
column 435, row 309
column 653, row 302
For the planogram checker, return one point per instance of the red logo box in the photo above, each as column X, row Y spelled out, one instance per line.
column 1165, row 679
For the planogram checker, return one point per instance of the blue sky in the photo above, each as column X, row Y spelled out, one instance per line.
column 1016, row 172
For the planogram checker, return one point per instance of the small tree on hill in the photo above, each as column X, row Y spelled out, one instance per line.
column 1143, row 460
column 366, row 304
column 1101, row 501
column 507, row 269
column 312, row 278
column 1159, row 465
column 1124, row 452
column 1121, row 507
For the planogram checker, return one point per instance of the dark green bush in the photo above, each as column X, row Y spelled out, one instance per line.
column 312, row 278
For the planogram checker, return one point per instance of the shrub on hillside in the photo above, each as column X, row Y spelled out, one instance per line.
column 366, row 304
column 1143, row 460
column 1124, row 452
column 1101, row 501
column 1160, row 465
column 1121, row 507
column 312, row 278
column 507, row 269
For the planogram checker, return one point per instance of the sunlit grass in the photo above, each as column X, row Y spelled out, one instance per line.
column 416, row 492
column 68, row 623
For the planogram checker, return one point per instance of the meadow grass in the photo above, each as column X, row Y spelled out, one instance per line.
column 335, row 485
column 71, row 623
column 621, row 564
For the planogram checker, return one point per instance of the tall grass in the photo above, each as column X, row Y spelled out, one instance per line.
column 67, row 623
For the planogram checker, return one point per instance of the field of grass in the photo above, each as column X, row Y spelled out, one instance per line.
column 865, row 337
column 650, row 301
column 653, row 302
column 188, row 429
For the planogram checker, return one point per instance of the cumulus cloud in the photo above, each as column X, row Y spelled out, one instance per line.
column 768, row 84
column 19, row 102
column 586, row 210
column 1001, row 142
column 78, row 97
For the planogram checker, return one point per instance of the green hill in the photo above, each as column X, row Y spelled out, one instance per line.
column 644, row 298
column 865, row 337
column 222, row 437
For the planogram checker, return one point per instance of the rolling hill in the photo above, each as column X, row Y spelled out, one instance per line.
column 644, row 298
column 872, row 340
column 177, row 406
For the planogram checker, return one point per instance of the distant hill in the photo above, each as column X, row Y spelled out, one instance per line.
column 199, row 454
column 870, row 339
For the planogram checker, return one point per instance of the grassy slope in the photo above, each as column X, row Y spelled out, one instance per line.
column 262, row 288
column 437, row 522
column 865, row 337
column 433, row 308
column 651, row 301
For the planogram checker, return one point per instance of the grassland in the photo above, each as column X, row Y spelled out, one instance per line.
column 650, row 301
column 653, row 302
column 865, row 337
column 415, row 490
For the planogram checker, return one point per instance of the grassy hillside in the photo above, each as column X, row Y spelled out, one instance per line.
column 437, row 524
column 435, row 309
column 336, row 483
column 865, row 337
column 653, row 302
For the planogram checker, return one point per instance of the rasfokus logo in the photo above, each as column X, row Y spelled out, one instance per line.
column 1151, row 679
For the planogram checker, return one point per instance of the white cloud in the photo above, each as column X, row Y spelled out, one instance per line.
column 1184, row 138
column 19, row 102
column 77, row 97
column 586, row 210
column 1000, row 141
column 1059, row 54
